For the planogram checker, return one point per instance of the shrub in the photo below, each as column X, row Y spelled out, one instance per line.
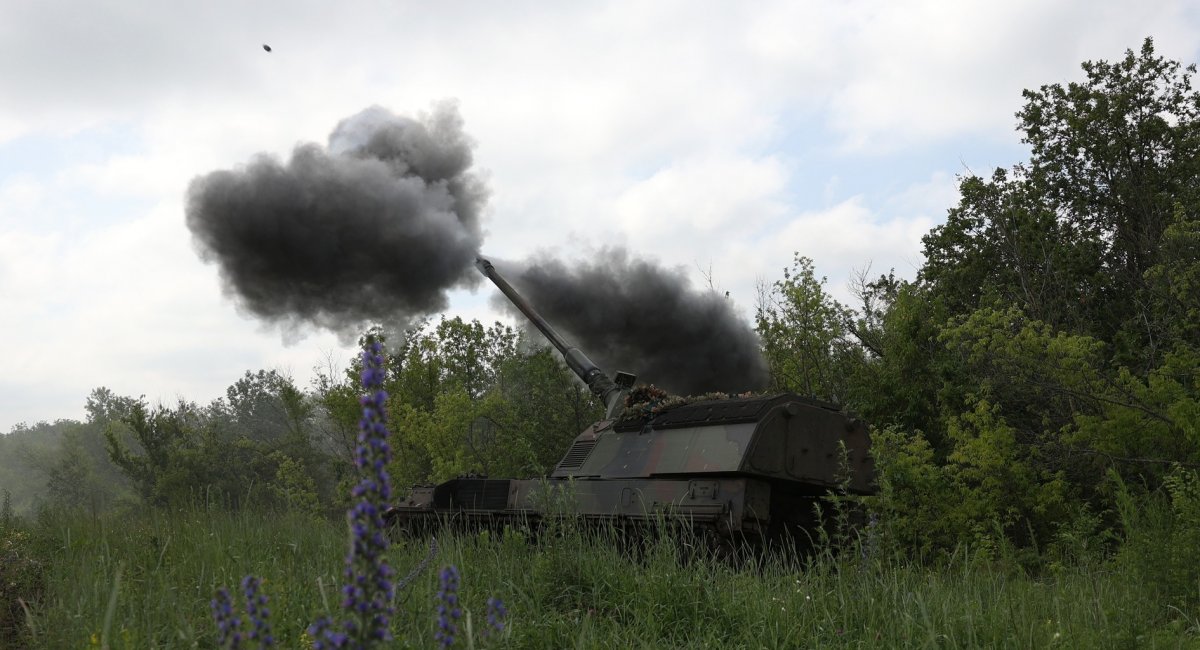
column 1162, row 539
column 22, row 583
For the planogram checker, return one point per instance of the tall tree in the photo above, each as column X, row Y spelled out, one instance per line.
column 806, row 335
column 1116, row 153
column 1070, row 237
column 266, row 406
column 1004, row 244
column 1051, row 335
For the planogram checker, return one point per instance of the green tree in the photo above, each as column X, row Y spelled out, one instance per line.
column 805, row 335
column 175, row 455
column 1004, row 244
column 903, row 378
column 545, row 406
column 519, row 426
column 452, row 353
column 440, row 383
column 293, row 487
column 1050, row 339
column 1173, row 288
column 1071, row 238
column 162, row 435
column 104, row 406
column 72, row 480
column 266, row 406
column 1115, row 154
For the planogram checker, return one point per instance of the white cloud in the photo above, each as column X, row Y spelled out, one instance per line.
column 927, row 199
column 726, row 136
column 906, row 72
column 19, row 197
column 701, row 196
column 852, row 236
column 119, row 309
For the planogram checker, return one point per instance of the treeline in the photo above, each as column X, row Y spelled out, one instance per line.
column 1036, row 386
column 463, row 398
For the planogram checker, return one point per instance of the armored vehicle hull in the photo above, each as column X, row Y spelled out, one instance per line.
column 741, row 468
column 748, row 467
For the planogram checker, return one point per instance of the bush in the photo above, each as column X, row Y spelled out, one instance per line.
column 1162, row 540
column 22, row 583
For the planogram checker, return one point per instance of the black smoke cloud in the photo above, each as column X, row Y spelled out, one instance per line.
column 635, row 315
column 379, row 224
column 376, row 227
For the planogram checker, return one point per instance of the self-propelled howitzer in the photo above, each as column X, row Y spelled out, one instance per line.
column 746, row 467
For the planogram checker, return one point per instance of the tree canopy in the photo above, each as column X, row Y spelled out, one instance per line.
column 1047, row 352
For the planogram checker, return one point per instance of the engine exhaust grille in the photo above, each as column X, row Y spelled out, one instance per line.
column 577, row 454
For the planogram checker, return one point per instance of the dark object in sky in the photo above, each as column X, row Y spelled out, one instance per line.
column 266, row 47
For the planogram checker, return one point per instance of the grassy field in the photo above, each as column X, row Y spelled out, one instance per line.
column 146, row 581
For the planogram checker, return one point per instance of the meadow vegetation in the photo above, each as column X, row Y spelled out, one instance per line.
column 1034, row 396
column 159, row 570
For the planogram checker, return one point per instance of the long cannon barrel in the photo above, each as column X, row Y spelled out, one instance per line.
column 601, row 385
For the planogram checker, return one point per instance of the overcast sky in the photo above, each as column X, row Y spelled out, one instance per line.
column 722, row 137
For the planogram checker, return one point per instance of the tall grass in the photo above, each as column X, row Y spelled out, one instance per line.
column 572, row 589
column 170, row 565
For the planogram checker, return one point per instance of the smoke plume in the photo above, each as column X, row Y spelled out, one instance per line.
column 632, row 314
column 377, row 226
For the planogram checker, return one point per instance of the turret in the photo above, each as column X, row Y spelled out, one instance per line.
column 611, row 393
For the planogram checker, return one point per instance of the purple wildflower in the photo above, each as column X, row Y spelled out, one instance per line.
column 368, row 591
column 324, row 637
column 229, row 632
column 367, row 594
column 228, row 626
column 496, row 615
column 448, row 609
column 257, row 612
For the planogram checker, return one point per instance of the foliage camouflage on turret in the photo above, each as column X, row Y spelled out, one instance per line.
column 646, row 401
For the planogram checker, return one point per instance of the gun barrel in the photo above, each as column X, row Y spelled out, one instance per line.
column 601, row 385
column 486, row 267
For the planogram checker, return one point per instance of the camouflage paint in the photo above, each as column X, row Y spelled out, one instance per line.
column 703, row 467
column 795, row 440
